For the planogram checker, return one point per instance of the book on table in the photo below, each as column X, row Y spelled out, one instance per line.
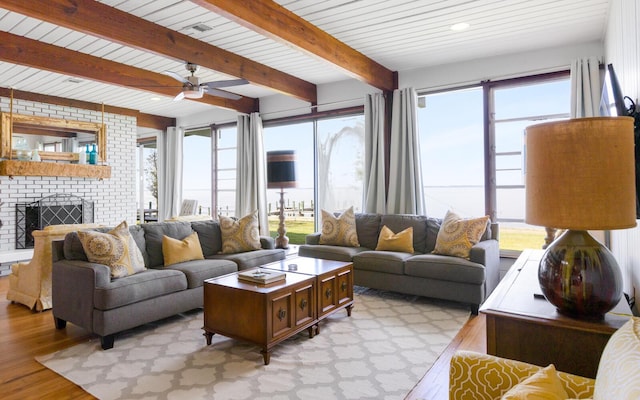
column 263, row 276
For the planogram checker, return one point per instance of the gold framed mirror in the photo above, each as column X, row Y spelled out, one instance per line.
column 56, row 139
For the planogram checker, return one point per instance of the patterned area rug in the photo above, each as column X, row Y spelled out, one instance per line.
column 380, row 352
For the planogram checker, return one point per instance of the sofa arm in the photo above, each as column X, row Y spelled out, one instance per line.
column 476, row 376
column 487, row 253
column 312, row 238
column 267, row 242
column 73, row 286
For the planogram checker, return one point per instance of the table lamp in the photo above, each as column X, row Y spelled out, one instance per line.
column 580, row 175
column 281, row 174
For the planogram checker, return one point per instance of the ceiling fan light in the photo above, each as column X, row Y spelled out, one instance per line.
column 193, row 93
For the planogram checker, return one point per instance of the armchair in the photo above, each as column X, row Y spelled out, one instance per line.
column 475, row 376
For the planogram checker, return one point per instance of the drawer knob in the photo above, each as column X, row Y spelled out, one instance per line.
column 282, row 313
column 303, row 304
column 344, row 286
column 327, row 293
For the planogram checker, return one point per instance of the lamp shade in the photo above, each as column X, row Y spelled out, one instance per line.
column 580, row 174
column 281, row 169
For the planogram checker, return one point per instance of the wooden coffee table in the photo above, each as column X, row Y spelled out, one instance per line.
column 268, row 314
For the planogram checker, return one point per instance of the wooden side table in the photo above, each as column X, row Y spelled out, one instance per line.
column 525, row 327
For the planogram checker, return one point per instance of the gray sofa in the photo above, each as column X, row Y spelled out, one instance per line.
column 421, row 273
column 84, row 293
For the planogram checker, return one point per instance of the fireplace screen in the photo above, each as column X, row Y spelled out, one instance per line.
column 57, row 209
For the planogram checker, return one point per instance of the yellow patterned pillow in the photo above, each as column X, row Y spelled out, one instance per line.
column 617, row 376
column 340, row 231
column 115, row 249
column 401, row 241
column 457, row 235
column 543, row 385
column 176, row 251
column 241, row 235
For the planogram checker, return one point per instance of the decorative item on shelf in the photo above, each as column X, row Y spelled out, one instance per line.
column 93, row 156
column 35, row 155
column 281, row 174
column 580, row 175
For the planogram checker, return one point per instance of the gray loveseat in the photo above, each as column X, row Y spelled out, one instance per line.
column 421, row 273
column 85, row 294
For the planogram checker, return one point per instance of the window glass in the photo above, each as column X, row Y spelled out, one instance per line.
column 517, row 107
column 196, row 169
column 452, row 152
column 298, row 201
column 225, row 171
column 147, row 182
column 340, row 163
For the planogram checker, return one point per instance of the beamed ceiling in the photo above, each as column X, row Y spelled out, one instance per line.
column 115, row 51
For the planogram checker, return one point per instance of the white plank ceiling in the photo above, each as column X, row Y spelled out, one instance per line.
column 399, row 34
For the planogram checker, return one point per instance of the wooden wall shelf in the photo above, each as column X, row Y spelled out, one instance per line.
column 37, row 168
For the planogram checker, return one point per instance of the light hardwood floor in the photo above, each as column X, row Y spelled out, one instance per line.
column 25, row 334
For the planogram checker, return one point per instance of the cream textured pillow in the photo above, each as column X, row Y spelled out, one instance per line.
column 457, row 235
column 115, row 249
column 176, row 251
column 339, row 231
column 617, row 376
column 543, row 385
column 401, row 241
column 241, row 235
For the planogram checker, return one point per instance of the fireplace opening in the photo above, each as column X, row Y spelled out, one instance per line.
column 57, row 209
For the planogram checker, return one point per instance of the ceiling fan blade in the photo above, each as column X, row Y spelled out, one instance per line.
column 221, row 93
column 179, row 97
column 226, row 83
column 176, row 76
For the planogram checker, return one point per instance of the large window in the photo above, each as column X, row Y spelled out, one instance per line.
column 224, row 169
column 455, row 157
column 147, row 182
column 452, row 152
column 196, row 168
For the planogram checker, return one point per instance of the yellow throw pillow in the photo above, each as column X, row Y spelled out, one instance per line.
column 115, row 249
column 339, row 231
column 543, row 385
column 241, row 235
column 401, row 241
column 176, row 251
column 457, row 235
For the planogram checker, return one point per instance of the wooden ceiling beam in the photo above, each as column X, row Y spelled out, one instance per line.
column 272, row 20
column 35, row 54
column 94, row 18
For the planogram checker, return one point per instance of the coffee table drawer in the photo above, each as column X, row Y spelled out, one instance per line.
column 290, row 310
column 335, row 290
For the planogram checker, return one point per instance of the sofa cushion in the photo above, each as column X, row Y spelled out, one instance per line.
column 337, row 253
column 543, row 385
column 401, row 241
column 339, row 231
column 251, row 259
column 445, row 268
column 197, row 271
column 145, row 285
column 115, row 249
column 400, row 222
column 210, row 236
column 617, row 376
column 367, row 228
column 457, row 235
column 391, row 262
column 433, row 227
column 176, row 251
column 240, row 235
column 153, row 233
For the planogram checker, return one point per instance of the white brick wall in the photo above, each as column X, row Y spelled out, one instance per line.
column 114, row 199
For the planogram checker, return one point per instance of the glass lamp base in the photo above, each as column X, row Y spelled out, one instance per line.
column 580, row 276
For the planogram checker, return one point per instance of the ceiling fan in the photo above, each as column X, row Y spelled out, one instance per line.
column 193, row 89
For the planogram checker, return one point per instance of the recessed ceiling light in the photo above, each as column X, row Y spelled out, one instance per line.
column 155, row 99
column 459, row 26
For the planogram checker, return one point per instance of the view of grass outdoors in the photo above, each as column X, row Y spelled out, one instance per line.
column 452, row 151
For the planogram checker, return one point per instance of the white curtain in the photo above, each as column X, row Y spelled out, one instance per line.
column 251, row 174
column 374, row 187
column 586, row 87
column 406, row 194
column 169, row 145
